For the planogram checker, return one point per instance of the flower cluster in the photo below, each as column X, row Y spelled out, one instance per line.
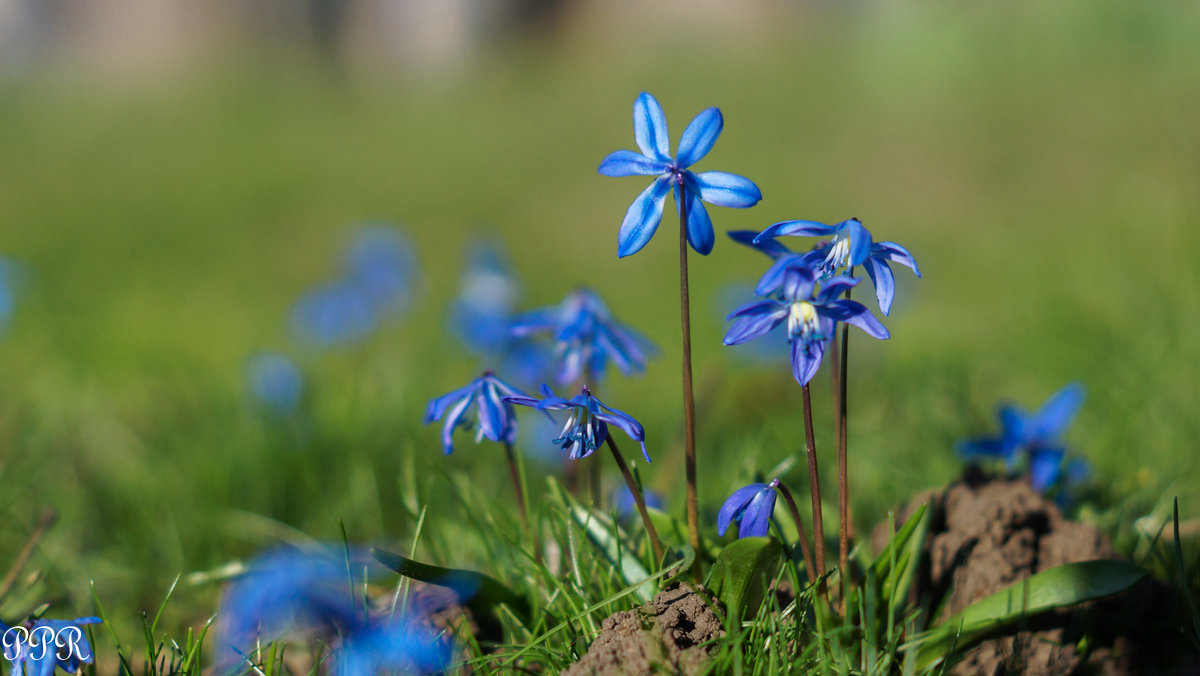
column 1035, row 439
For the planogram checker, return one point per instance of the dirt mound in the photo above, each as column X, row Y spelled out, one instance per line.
column 986, row 534
column 665, row 635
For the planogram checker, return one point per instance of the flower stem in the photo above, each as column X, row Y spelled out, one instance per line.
column 845, row 525
column 814, row 487
column 655, row 543
column 689, row 402
column 519, row 488
column 804, row 547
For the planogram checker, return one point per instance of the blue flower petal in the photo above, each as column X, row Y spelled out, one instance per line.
column 735, row 505
column 629, row 163
column 894, row 252
column 884, row 282
column 855, row 313
column 806, row 360
column 798, row 281
column 650, row 128
column 835, row 287
column 699, row 137
column 643, row 217
column 859, row 237
column 699, row 226
column 1056, row 414
column 754, row 320
column 727, row 190
column 980, row 448
column 770, row 247
column 795, row 228
column 756, row 520
column 1045, row 468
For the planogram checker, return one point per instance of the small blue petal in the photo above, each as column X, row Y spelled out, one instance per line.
column 770, row 247
column 795, row 228
column 727, row 190
column 736, row 504
column 855, row 313
column 699, row 227
column 1045, row 468
column 894, row 252
column 650, row 128
column 754, row 320
column 629, row 163
column 883, row 281
column 699, row 137
column 806, row 359
column 756, row 520
column 859, row 237
column 643, row 217
column 1056, row 414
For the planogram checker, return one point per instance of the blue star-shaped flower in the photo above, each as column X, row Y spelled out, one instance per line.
column 38, row 646
column 587, row 423
column 586, row 337
column 1028, row 431
column 851, row 246
column 486, row 396
column 811, row 318
column 395, row 645
column 751, row 506
column 714, row 187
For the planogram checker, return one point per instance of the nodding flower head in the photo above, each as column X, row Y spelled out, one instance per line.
column 486, row 397
column 586, row 426
column 751, row 507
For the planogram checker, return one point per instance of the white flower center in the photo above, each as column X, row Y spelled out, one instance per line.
column 803, row 322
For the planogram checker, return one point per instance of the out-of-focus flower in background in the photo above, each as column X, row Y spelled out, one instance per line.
column 274, row 382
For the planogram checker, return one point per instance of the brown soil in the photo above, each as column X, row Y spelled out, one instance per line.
column 665, row 635
column 988, row 534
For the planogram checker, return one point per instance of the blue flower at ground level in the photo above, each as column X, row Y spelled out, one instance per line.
column 751, row 507
column 1026, row 431
column 811, row 319
column 389, row 646
column 488, row 397
column 274, row 381
column 714, row 187
column 37, row 647
column 851, row 246
column 586, row 427
column 586, row 337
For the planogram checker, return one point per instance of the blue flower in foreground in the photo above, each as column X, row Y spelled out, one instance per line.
column 811, row 319
column 38, row 646
column 1028, row 431
column 392, row 646
column 488, row 397
column 714, row 187
column 274, row 381
column 851, row 246
column 586, row 337
column 751, row 507
column 587, row 423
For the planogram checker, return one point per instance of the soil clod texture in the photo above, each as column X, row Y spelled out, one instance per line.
column 987, row 534
column 666, row 635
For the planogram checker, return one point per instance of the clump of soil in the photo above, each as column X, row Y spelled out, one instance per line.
column 986, row 534
column 665, row 635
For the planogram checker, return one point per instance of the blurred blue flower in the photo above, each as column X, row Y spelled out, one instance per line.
column 39, row 646
column 7, row 294
column 274, row 381
column 375, row 282
column 714, row 187
column 586, row 427
column 625, row 505
column 586, row 337
column 811, row 319
column 388, row 646
column 751, row 507
column 1028, row 431
column 288, row 591
column 481, row 314
column 851, row 246
column 488, row 398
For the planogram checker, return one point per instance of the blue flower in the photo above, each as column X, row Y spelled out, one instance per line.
column 714, row 187
column 486, row 396
column 811, row 319
column 586, row 337
column 390, row 646
column 851, row 246
column 625, row 505
column 751, row 507
column 38, row 646
column 333, row 314
column 381, row 262
column 274, row 381
column 587, row 423
column 1028, row 431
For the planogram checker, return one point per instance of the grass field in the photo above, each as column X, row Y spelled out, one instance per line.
column 1039, row 160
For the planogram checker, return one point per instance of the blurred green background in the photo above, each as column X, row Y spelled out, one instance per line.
column 1041, row 161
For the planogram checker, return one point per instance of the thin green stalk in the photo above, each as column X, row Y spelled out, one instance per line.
column 814, row 480
column 655, row 543
column 809, row 570
column 689, row 401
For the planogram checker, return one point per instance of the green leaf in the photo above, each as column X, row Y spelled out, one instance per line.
column 1061, row 586
column 476, row 591
column 742, row 572
column 907, row 545
column 605, row 536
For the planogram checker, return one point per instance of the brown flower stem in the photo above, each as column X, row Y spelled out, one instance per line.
column 689, row 401
column 814, row 488
column 655, row 543
column 845, row 525
column 804, row 547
